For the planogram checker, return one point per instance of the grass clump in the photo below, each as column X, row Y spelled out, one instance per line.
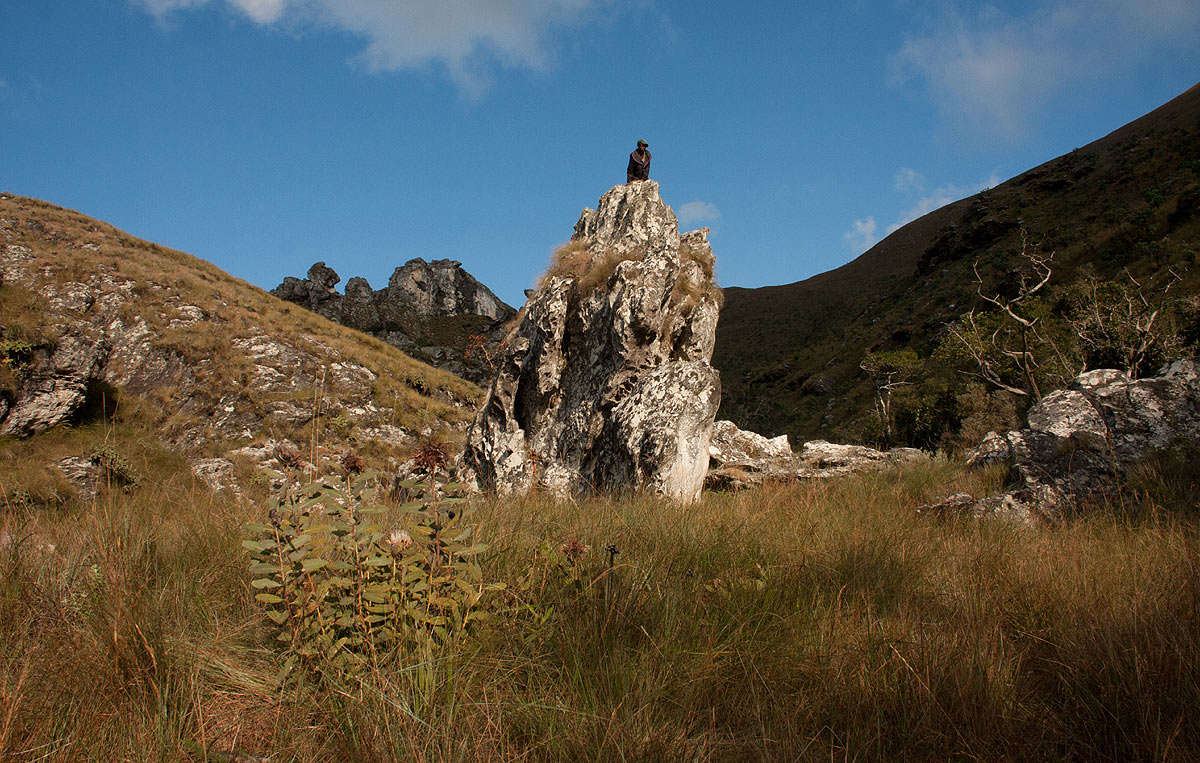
column 590, row 269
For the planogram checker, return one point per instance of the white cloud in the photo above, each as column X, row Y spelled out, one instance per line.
column 995, row 70
column 909, row 180
column 695, row 212
column 939, row 197
column 467, row 37
column 262, row 11
column 861, row 235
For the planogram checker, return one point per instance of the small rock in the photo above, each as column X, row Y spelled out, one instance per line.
column 217, row 473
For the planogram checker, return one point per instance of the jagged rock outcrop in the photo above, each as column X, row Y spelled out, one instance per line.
column 1080, row 442
column 605, row 383
column 430, row 310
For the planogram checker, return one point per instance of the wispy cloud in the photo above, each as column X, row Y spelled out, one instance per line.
column 908, row 179
column 995, row 70
column 864, row 233
column 696, row 212
column 469, row 38
column 861, row 235
column 938, row 197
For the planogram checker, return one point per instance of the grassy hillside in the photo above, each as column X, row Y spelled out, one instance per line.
column 196, row 362
column 789, row 355
column 806, row 622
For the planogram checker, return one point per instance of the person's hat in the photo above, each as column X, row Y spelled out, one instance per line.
column 643, row 143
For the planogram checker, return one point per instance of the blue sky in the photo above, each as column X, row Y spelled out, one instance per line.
column 264, row 135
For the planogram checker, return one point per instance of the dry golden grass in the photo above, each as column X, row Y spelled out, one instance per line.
column 804, row 622
column 590, row 270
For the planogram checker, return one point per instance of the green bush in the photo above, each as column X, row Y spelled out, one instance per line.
column 343, row 588
column 116, row 469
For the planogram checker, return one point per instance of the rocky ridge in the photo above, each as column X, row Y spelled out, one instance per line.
column 605, row 382
column 430, row 310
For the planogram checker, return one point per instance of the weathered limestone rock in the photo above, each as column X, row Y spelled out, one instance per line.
column 609, row 388
column 216, row 473
column 442, row 287
column 730, row 444
column 740, row 459
column 83, row 473
column 818, row 458
column 1081, row 441
column 55, row 388
column 744, row 459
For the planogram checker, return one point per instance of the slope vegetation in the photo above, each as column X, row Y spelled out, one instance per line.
column 789, row 355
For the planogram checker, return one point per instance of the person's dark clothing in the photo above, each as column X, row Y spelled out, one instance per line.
column 639, row 167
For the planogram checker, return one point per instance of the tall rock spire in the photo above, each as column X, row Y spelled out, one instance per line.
column 605, row 383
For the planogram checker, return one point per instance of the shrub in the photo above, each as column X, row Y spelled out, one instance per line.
column 344, row 589
column 115, row 468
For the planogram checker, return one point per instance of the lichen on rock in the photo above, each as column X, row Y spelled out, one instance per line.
column 605, row 383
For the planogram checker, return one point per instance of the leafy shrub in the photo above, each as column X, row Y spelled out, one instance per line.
column 344, row 588
column 115, row 468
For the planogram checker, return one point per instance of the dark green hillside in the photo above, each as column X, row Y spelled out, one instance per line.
column 789, row 355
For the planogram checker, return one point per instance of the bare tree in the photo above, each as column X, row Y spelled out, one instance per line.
column 889, row 371
column 1009, row 344
column 1126, row 324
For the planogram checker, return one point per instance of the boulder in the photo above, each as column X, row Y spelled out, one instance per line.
column 83, row 473
column 818, row 459
column 55, row 386
column 740, row 459
column 730, row 445
column 216, row 473
column 605, row 383
column 1080, row 442
column 744, row 459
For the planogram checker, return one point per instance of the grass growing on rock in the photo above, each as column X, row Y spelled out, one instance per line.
column 590, row 269
column 800, row 622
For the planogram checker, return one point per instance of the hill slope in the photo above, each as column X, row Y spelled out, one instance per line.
column 789, row 355
column 111, row 334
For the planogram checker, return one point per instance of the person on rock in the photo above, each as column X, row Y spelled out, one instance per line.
column 639, row 164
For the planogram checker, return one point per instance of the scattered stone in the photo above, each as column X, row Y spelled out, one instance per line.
column 217, row 473
column 732, row 445
column 83, row 473
column 820, row 459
